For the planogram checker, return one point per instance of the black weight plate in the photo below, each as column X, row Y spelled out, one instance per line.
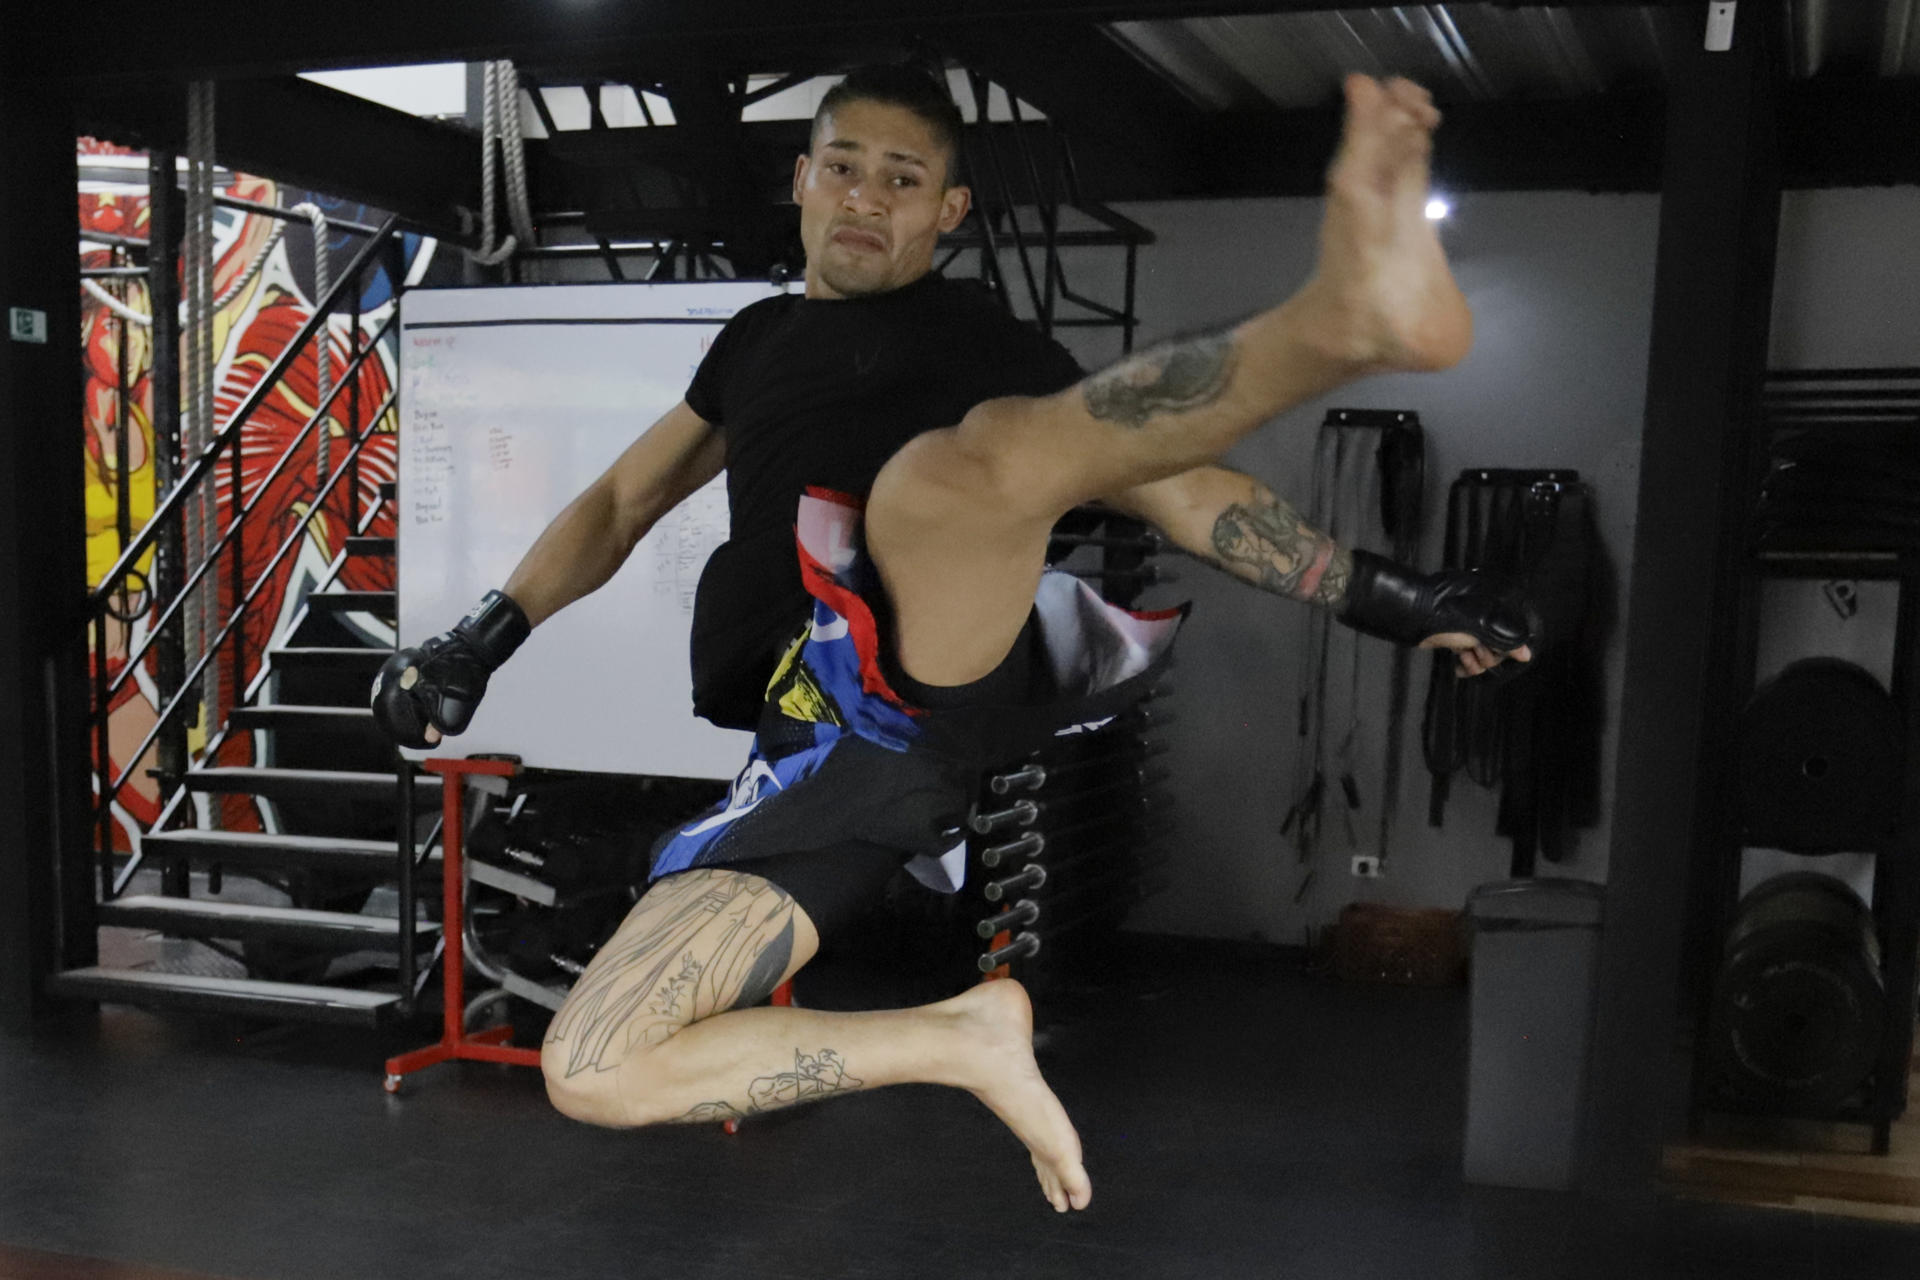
column 1798, row 1031
column 1820, row 749
column 1799, row 1009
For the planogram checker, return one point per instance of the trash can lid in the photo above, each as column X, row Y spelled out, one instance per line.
column 1546, row 902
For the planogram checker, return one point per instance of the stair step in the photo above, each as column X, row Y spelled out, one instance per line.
column 368, row 545
column 246, row 996
column 284, row 784
column 380, row 602
column 298, row 717
column 257, row 850
column 311, row 658
column 198, row 918
column 538, row 892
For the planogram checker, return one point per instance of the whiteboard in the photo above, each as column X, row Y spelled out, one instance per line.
column 513, row 401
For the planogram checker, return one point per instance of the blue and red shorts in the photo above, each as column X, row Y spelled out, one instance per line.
column 846, row 757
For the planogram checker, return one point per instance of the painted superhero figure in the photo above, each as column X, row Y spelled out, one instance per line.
column 922, row 535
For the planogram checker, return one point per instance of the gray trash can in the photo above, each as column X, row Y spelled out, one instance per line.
column 1536, row 947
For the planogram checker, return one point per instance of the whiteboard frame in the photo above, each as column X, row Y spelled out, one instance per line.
column 561, row 703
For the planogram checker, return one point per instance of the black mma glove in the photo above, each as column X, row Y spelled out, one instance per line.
column 441, row 681
column 1403, row 605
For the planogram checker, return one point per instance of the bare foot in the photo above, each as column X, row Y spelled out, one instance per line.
column 1382, row 294
column 1006, row 1078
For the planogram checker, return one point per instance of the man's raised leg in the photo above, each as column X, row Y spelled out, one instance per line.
column 655, row 1030
column 958, row 521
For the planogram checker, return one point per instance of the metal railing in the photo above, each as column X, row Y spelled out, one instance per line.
column 112, row 596
column 1052, row 186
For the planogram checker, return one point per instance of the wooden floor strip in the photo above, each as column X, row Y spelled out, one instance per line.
column 1801, row 1166
column 1788, row 1181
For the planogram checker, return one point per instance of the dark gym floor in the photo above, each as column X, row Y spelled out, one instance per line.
column 1240, row 1118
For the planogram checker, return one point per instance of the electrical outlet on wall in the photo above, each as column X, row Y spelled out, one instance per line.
column 1366, row 866
column 1720, row 26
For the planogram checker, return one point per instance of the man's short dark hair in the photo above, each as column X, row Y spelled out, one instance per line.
column 908, row 88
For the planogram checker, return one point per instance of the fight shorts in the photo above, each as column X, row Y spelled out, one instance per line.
column 856, row 763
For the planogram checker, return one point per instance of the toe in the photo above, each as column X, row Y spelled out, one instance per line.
column 1050, row 1187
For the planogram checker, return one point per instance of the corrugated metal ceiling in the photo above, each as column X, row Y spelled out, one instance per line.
column 1469, row 52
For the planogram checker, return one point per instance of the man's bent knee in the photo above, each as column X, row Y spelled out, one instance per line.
column 590, row 1095
column 624, row 1097
column 974, row 473
column 697, row 943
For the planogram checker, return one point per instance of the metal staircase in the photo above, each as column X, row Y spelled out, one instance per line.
column 336, row 837
column 332, row 801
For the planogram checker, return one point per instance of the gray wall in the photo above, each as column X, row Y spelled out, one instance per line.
column 1562, row 288
column 1847, row 289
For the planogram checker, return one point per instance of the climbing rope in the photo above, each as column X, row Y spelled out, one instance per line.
column 239, row 286
column 323, row 339
column 114, row 304
column 203, row 521
column 500, row 126
column 193, row 253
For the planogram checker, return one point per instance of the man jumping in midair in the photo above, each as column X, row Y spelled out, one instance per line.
column 924, row 603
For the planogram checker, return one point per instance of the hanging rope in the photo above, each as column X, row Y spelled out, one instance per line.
column 500, row 125
column 1302, row 821
column 1364, row 494
column 113, row 304
column 233, row 290
column 323, row 338
column 192, row 253
column 239, row 286
column 203, row 516
column 489, row 254
column 514, row 150
column 219, row 304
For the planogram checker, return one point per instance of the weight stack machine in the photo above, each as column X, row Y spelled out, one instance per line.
column 1064, row 843
column 1806, row 992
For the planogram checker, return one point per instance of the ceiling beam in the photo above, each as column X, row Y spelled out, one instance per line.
column 1831, row 135
column 313, row 137
column 1609, row 142
column 1850, row 133
column 224, row 38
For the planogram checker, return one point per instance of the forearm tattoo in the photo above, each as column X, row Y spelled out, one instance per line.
column 1266, row 542
column 1172, row 377
column 814, row 1075
column 699, row 944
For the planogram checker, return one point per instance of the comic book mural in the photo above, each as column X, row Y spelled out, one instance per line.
column 251, row 330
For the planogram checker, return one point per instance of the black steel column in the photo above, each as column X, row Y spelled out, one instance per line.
column 43, row 750
column 1719, row 220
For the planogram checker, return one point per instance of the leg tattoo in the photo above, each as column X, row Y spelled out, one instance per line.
column 700, row 943
column 1172, row 377
column 813, row 1076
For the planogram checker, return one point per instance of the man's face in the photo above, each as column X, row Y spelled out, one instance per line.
column 873, row 200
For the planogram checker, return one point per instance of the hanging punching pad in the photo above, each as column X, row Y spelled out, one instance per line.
column 1401, row 460
column 1820, row 760
column 1799, row 1009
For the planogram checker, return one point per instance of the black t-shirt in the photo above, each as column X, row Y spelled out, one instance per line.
column 823, row 392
